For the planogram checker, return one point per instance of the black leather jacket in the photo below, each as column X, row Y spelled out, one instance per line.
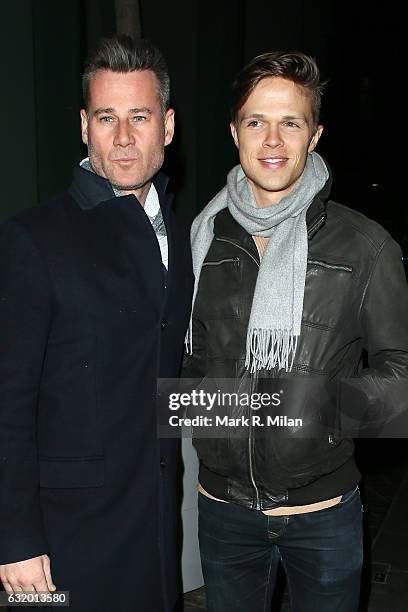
column 356, row 301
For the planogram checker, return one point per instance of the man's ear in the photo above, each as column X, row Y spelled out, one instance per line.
column 84, row 126
column 168, row 127
column 315, row 138
column 234, row 133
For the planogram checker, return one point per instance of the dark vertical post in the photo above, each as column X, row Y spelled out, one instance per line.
column 19, row 156
column 128, row 17
column 57, row 69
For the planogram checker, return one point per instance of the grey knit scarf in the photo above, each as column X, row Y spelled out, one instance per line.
column 276, row 313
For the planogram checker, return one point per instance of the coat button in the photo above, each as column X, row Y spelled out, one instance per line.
column 163, row 462
column 163, row 324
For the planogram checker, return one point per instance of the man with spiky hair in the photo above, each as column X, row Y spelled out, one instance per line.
column 95, row 300
column 290, row 285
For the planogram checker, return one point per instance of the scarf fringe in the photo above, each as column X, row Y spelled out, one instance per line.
column 270, row 348
column 188, row 340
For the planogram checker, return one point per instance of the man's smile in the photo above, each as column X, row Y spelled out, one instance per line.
column 273, row 162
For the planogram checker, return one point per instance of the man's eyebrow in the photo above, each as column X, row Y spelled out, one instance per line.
column 252, row 116
column 143, row 109
column 300, row 117
column 100, row 111
column 131, row 111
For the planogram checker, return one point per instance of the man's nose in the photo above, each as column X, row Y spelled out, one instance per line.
column 273, row 137
column 124, row 134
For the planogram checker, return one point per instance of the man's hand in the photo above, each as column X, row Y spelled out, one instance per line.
column 30, row 575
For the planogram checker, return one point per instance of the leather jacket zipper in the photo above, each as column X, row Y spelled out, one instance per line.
column 329, row 266
column 250, row 438
column 251, row 469
column 316, row 225
column 234, row 260
column 239, row 247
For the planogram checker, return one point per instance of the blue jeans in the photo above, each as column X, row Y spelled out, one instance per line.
column 321, row 553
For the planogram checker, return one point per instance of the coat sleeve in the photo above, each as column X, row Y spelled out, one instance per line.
column 380, row 393
column 25, row 313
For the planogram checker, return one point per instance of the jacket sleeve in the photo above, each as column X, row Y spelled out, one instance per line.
column 25, row 312
column 380, row 393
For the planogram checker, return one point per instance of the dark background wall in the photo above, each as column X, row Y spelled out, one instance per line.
column 44, row 43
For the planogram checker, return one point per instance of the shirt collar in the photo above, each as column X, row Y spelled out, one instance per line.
column 152, row 204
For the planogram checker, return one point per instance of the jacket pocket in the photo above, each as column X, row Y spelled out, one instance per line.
column 217, row 275
column 330, row 295
column 72, row 473
column 68, row 411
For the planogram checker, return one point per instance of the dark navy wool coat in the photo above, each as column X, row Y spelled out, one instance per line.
column 87, row 325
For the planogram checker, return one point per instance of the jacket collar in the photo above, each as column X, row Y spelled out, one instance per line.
column 317, row 212
column 89, row 189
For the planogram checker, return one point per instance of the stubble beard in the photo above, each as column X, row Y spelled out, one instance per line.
column 154, row 166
